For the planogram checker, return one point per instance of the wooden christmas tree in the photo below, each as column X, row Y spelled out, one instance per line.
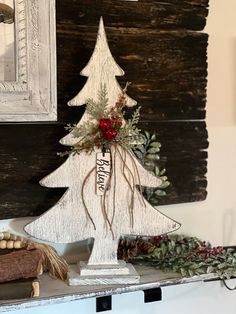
column 104, row 178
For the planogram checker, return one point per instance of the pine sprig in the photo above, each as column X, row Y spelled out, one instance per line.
column 98, row 109
column 135, row 118
column 88, row 128
column 106, row 126
column 102, row 94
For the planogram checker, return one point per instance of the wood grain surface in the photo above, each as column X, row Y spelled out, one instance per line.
column 161, row 51
column 20, row 264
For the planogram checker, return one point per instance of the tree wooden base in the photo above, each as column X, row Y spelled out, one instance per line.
column 120, row 273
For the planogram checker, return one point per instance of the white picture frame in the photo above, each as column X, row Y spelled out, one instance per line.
column 32, row 96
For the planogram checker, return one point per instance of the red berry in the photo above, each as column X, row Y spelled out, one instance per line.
column 97, row 141
column 109, row 134
column 105, row 124
column 117, row 122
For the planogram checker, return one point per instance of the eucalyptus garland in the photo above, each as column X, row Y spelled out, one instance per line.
column 148, row 155
column 188, row 256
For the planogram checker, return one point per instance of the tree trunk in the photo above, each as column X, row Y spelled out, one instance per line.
column 104, row 252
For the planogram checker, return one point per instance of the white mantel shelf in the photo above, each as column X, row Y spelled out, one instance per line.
column 55, row 291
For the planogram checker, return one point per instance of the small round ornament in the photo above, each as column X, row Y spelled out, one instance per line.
column 105, row 124
column 110, row 134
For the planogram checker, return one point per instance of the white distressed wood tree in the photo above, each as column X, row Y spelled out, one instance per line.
column 80, row 213
column 101, row 68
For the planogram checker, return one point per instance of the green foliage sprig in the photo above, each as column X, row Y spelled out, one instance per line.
column 105, row 125
column 187, row 255
column 97, row 110
column 148, row 154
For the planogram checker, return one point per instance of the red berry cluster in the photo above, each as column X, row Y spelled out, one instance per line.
column 198, row 248
column 206, row 252
column 107, row 129
column 157, row 240
column 109, row 126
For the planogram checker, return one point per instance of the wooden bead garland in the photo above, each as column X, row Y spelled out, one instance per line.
column 52, row 262
column 11, row 241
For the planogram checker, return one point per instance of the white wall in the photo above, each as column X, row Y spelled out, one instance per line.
column 215, row 218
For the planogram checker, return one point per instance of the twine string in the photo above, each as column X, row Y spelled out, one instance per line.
column 83, row 199
column 104, row 209
column 129, row 175
column 114, row 189
column 131, row 186
column 55, row 264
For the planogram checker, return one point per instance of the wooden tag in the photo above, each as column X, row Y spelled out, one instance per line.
column 103, row 172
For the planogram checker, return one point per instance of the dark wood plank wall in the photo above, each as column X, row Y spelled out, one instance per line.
column 158, row 45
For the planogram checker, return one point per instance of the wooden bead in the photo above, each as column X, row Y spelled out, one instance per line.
column 7, row 235
column 10, row 244
column 13, row 237
column 18, row 244
column 41, row 270
column 36, row 288
column 3, row 244
column 1, row 236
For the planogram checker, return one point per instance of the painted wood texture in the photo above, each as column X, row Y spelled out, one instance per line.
column 7, row 35
column 67, row 221
column 165, row 60
column 30, row 93
column 161, row 66
column 82, row 214
column 170, row 14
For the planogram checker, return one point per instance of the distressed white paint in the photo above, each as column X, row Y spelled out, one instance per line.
column 80, row 213
column 101, row 69
column 67, row 221
column 122, row 273
column 32, row 95
column 7, row 48
column 120, row 268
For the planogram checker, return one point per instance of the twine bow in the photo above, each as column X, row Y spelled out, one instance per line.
column 130, row 174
